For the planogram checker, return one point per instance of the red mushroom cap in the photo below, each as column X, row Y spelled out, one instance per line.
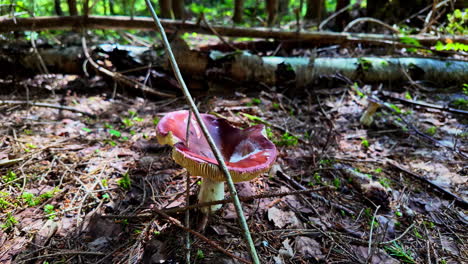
column 247, row 152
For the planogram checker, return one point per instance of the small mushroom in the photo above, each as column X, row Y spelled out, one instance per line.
column 368, row 116
column 247, row 152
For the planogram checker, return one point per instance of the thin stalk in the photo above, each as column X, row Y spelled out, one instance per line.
column 187, row 220
column 216, row 152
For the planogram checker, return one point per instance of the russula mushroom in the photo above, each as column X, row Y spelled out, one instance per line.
column 247, row 152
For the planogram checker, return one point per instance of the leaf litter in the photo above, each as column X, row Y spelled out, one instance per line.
column 84, row 168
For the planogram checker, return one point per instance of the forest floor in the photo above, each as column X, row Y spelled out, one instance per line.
column 387, row 192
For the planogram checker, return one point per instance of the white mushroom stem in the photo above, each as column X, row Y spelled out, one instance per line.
column 368, row 117
column 211, row 191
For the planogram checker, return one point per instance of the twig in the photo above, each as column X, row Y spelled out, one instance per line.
column 370, row 19
column 202, row 237
column 92, row 253
column 225, row 201
column 324, row 22
column 214, row 148
column 429, row 18
column 61, row 107
column 458, row 200
column 313, row 195
column 419, row 133
column 369, row 249
column 433, row 106
column 42, row 65
column 203, row 18
column 8, row 162
column 399, row 237
column 120, row 77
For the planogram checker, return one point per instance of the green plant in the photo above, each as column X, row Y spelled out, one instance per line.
column 125, row 182
column 465, row 88
column 326, row 162
column 378, row 170
column 276, row 106
column 395, row 108
column 30, row 199
column 337, row 183
column 256, row 101
column 431, row 130
column 456, row 46
column 460, row 103
column 398, row 214
column 104, row 182
column 317, row 178
column 85, row 129
column 9, row 222
column 358, row 91
column 408, row 95
column 365, row 143
column 368, row 212
column 114, row 133
column 9, row 177
column 411, row 41
column 286, row 140
column 200, row 254
column 400, row 253
column 364, row 64
column 49, row 211
column 457, row 22
column 127, row 122
column 110, row 142
column 4, row 203
column 417, row 234
column 385, row 182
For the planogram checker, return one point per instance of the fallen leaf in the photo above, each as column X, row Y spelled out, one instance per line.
column 308, row 247
column 281, row 218
column 286, row 250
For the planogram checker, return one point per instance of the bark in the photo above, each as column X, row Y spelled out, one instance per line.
column 111, row 7
column 238, row 11
column 179, row 9
column 72, row 7
column 315, row 9
column 343, row 18
column 144, row 23
column 166, row 6
column 272, row 9
column 58, row 8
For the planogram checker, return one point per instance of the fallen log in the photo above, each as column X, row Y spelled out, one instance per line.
column 146, row 23
column 298, row 72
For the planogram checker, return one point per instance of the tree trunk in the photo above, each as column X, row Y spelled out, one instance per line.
column 166, row 7
column 72, row 7
column 111, row 7
column 86, row 7
column 58, row 8
column 343, row 18
column 374, row 6
column 178, row 7
column 315, row 10
column 272, row 9
column 238, row 11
